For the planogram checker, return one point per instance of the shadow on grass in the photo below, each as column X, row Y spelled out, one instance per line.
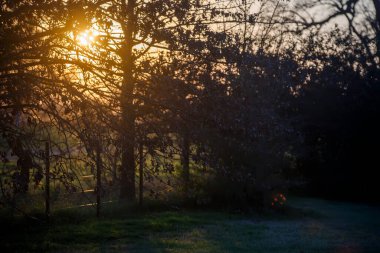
column 306, row 226
column 124, row 227
column 77, row 229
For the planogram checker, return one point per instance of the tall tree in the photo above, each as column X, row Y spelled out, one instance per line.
column 131, row 34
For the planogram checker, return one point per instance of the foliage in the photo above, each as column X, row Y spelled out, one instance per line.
column 225, row 101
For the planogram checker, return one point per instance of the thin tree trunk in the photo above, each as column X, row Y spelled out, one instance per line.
column 114, row 170
column 185, row 160
column 141, row 173
column 24, row 162
column 98, row 179
column 127, row 175
column 47, row 181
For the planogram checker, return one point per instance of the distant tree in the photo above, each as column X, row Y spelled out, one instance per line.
column 337, row 102
column 337, row 112
column 359, row 18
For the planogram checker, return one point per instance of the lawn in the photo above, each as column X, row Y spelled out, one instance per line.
column 309, row 225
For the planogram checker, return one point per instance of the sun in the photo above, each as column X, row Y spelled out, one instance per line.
column 87, row 38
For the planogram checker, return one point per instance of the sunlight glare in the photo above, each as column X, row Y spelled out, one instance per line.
column 86, row 38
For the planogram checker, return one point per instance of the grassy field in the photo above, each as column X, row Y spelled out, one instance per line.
column 308, row 225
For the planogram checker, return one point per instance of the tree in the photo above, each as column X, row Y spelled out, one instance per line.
column 41, row 94
column 131, row 33
column 23, row 78
column 359, row 18
column 337, row 111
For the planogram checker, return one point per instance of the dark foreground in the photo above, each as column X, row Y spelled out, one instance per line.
column 308, row 225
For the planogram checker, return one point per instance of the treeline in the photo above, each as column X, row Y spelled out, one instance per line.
column 229, row 101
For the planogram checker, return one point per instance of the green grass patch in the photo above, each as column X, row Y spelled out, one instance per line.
column 308, row 225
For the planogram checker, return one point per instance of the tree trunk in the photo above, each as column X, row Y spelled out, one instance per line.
column 114, row 168
column 24, row 163
column 127, row 175
column 185, row 160
column 98, row 179
column 141, row 173
column 47, row 180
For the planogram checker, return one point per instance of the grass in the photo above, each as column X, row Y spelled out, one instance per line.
column 308, row 225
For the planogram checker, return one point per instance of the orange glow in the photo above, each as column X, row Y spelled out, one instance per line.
column 86, row 38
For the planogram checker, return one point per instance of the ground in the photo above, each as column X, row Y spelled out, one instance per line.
column 308, row 225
